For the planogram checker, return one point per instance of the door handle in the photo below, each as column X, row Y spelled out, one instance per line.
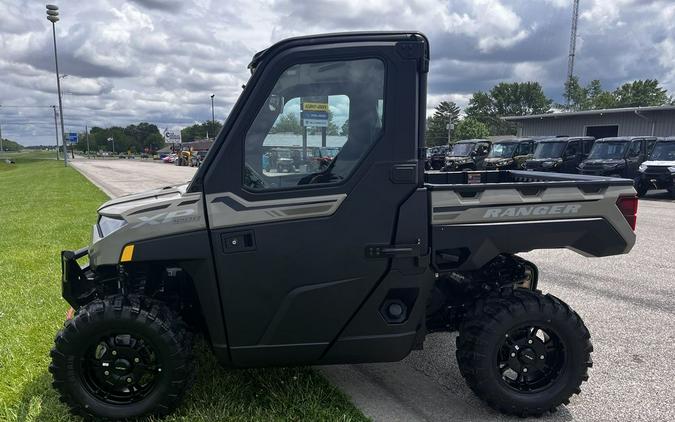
column 393, row 251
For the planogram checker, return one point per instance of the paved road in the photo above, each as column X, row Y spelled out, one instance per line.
column 627, row 302
column 118, row 177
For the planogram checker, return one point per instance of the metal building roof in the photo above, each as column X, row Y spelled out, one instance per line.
column 590, row 112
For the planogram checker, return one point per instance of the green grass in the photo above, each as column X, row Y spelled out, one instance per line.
column 45, row 208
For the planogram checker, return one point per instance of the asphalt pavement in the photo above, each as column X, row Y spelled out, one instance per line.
column 626, row 301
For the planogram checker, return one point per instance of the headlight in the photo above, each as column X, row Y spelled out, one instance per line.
column 108, row 225
column 671, row 169
column 582, row 165
column 643, row 167
column 549, row 164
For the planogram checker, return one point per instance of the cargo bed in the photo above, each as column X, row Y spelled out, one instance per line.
column 478, row 215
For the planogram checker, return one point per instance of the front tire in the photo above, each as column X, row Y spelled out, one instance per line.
column 524, row 353
column 122, row 357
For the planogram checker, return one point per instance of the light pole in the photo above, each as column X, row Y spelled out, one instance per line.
column 56, row 132
column 0, row 135
column 53, row 17
column 213, row 115
column 111, row 139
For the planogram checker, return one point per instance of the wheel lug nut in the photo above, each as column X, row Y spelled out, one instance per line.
column 513, row 355
column 106, row 373
column 541, row 357
column 129, row 380
column 524, row 369
column 529, row 342
column 114, row 352
column 137, row 360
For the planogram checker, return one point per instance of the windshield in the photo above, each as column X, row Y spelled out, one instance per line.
column 502, row 150
column 461, row 150
column 549, row 149
column 608, row 150
column 663, row 151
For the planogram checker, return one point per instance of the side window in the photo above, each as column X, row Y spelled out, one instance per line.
column 572, row 149
column 650, row 146
column 316, row 126
column 635, row 147
column 587, row 145
column 482, row 148
column 524, row 148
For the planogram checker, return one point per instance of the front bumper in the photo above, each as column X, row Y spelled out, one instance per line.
column 658, row 180
column 75, row 279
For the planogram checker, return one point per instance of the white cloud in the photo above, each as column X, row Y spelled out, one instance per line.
column 160, row 60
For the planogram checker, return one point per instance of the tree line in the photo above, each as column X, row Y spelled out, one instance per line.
column 482, row 116
column 134, row 138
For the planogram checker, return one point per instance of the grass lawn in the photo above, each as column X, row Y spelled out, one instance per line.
column 45, row 208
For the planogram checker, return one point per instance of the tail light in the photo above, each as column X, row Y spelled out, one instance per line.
column 628, row 205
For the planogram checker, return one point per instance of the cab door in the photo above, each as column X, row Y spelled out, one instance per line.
column 291, row 241
column 635, row 155
column 572, row 157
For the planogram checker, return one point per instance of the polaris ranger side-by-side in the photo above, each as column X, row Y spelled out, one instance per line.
column 355, row 262
column 467, row 155
column 658, row 172
column 509, row 154
column 617, row 157
column 560, row 154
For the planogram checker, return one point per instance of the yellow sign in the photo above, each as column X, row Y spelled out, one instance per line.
column 315, row 106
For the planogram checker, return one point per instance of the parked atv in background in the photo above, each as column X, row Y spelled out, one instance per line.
column 436, row 157
column 467, row 155
column 618, row 156
column 509, row 154
column 560, row 154
column 353, row 263
column 658, row 172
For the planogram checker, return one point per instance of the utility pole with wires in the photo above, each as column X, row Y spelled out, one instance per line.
column 573, row 47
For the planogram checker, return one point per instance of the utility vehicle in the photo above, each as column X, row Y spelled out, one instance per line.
column 509, row 154
column 467, row 155
column 235, row 253
column 617, row 156
column 658, row 172
column 436, row 157
column 561, row 154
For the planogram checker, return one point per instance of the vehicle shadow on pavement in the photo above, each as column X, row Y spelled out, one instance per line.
column 426, row 386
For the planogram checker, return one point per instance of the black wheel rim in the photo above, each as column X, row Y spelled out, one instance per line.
column 120, row 369
column 531, row 358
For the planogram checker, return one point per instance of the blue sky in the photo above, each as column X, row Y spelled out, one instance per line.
column 160, row 60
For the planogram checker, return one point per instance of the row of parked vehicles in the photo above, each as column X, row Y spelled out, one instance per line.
column 648, row 160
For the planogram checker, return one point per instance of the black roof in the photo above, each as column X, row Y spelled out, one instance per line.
column 512, row 140
column 624, row 138
column 566, row 138
column 472, row 141
column 339, row 37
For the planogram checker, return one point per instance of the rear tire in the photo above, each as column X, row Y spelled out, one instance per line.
column 122, row 357
column 524, row 353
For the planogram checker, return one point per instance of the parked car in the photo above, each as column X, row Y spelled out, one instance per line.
column 467, row 155
column 509, row 154
column 169, row 158
column 561, row 154
column 617, row 156
column 658, row 172
column 436, row 157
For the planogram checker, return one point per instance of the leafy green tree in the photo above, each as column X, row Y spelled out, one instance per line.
column 470, row 128
column 519, row 99
column 200, row 131
column 287, row 123
column 641, row 93
column 344, row 130
column 445, row 112
column 8, row 145
column 482, row 108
